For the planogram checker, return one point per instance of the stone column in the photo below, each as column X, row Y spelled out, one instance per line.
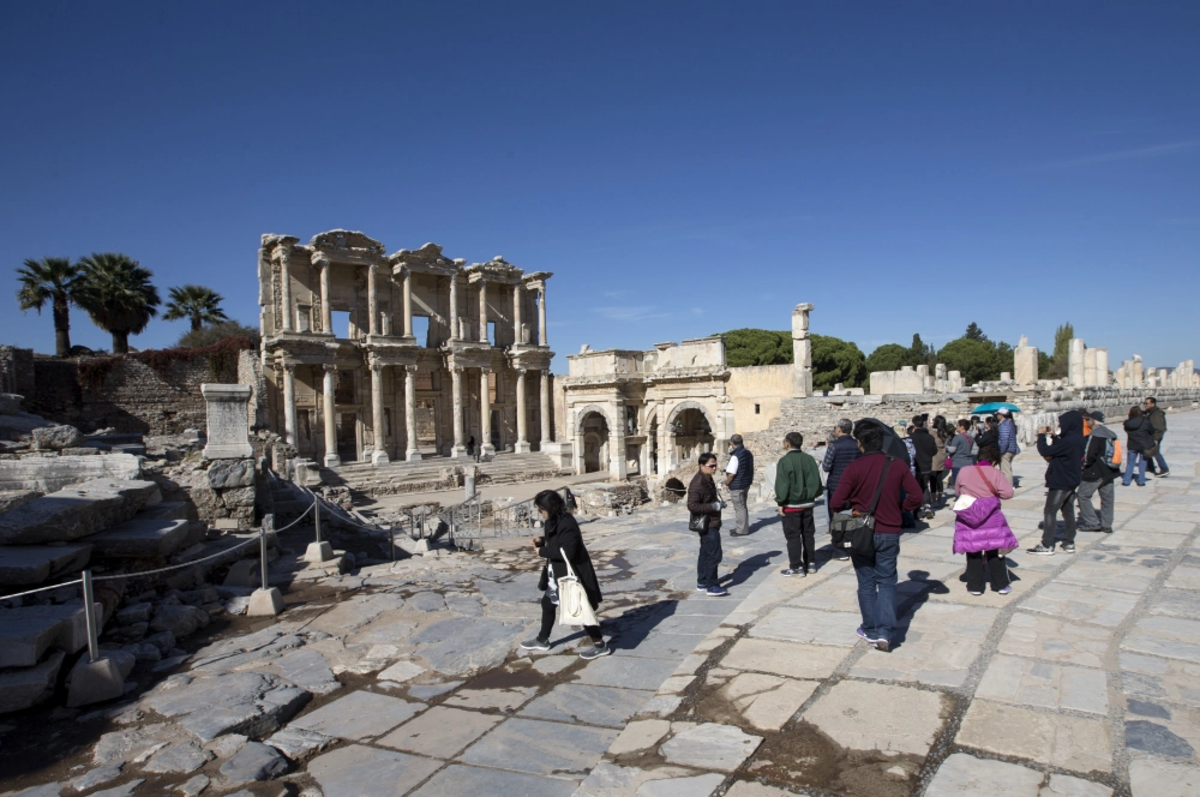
column 544, row 408
column 460, row 446
column 373, row 300
column 454, row 307
column 289, row 403
column 1102, row 367
column 331, row 455
column 616, row 445
column 408, row 325
column 1090, row 378
column 412, row 453
column 801, row 352
column 483, row 317
column 1138, row 372
column 1025, row 363
column 285, row 287
column 542, row 315
column 326, row 310
column 518, row 300
column 485, row 415
column 522, row 445
column 577, row 453
column 1075, row 368
column 379, row 455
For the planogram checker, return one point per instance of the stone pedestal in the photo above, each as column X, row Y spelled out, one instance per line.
column 228, row 421
column 1025, row 364
column 560, row 453
column 265, row 603
column 95, row 681
column 318, row 552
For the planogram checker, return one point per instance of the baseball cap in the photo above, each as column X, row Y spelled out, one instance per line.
column 1003, row 411
column 1097, row 416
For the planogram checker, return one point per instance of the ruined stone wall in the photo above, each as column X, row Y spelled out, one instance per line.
column 16, row 371
column 757, row 392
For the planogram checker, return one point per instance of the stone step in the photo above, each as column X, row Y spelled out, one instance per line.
column 27, row 686
column 22, row 565
column 49, row 474
column 27, row 632
column 76, row 511
column 147, row 538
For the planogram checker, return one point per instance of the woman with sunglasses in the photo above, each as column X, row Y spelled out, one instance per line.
column 702, row 499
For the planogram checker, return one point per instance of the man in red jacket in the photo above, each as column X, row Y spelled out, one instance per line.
column 877, row 572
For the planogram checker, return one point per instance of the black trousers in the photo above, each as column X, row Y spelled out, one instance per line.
column 550, row 613
column 937, row 483
column 799, row 529
column 983, row 564
column 1064, row 501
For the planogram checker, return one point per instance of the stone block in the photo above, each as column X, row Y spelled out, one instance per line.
column 28, row 686
column 76, row 511
column 440, row 732
column 10, row 403
column 11, row 499
column 142, row 538
column 225, row 473
column 361, row 771
column 710, row 746
column 228, row 427
column 50, row 474
column 94, row 682
column 256, row 761
column 563, row 750
column 56, row 438
column 249, row 703
column 180, row 620
column 265, row 603
column 33, row 564
column 23, row 639
column 71, row 633
column 246, row 573
column 359, row 715
column 903, row 720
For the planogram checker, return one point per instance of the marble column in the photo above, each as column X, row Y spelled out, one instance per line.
column 577, row 453
column 413, row 453
column 1102, row 376
column 1075, row 366
column 617, row 468
column 373, row 300
column 379, row 455
column 483, row 314
column 285, row 288
column 485, row 414
column 542, row 341
column 289, row 403
column 522, row 445
column 460, row 446
column 1090, row 377
column 331, row 455
column 801, row 351
column 544, row 408
column 518, row 300
column 454, row 307
column 408, row 325
column 326, row 310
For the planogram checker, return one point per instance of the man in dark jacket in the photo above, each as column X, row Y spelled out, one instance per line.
column 927, row 449
column 739, row 475
column 797, row 486
column 1097, row 476
column 1158, row 420
column 841, row 452
column 877, row 572
column 1064, row 453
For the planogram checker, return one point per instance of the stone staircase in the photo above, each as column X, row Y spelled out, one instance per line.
column 438, row 473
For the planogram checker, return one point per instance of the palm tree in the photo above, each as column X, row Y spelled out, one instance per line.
column 197, row 303
column 54, row 279
column 117, row 294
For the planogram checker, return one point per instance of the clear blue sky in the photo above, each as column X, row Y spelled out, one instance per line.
column 683, row 168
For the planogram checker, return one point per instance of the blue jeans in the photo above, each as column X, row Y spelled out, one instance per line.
column 1131, row 459
column 1159, row 461
column 877, row 586
column 710, row 557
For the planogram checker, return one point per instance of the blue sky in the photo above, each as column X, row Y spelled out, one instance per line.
column 683, row 168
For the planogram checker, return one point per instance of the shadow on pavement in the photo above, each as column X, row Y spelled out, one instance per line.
column 631, row 628
column 911, row 595
column 749, row 567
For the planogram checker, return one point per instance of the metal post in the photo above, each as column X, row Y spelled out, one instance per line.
column 262, row 547
column 89, row 613
column 317, row 517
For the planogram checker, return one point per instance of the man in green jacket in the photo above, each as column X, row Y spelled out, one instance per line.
column 797, row 487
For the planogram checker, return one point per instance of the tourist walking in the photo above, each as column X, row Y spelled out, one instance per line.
column 1064, row 454
column 876, row 572
column 702, row 499
column 1140, row 438
column 1158, row 421
column 927, row 449
column 739, row 475
column 561, row 544
column 1098, row 474
column 842, row 450
column 960, row 450
column 797, row 487
column 941, row 434
column 1007, row 431
column 980, row 529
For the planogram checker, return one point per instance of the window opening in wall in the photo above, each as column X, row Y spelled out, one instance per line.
column 344, row 391
column 757, row 409
column 421, row 329
column 493, row 382
column 491, row 335
column 303, row 318
column 387, row 421
column 341, row 323
column 302, row 418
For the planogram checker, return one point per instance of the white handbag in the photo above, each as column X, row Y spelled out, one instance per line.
column 574, row 608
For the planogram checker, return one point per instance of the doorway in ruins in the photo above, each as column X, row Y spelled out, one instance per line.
column 426, row 423
column 595, row 442
column 347, row 436
column 693, row 434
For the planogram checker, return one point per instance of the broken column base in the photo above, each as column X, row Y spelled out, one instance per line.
column 265, row 603
column 95, row 681
column 318, row 552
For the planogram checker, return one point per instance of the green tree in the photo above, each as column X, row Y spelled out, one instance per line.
column 196, row 303
column 757, row 347
column 117, row 294
column 975, row 333
column 888, row 357
column 919, row 353
column 1060, row 360
column 215, row 333
column 835, row 360
column 51, row 279
column 974, row 359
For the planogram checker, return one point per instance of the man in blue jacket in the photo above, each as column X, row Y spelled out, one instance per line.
column 1007, row 432
column 739, row 475
column 1064, row 454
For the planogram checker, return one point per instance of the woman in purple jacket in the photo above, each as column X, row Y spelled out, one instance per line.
column 980, row 529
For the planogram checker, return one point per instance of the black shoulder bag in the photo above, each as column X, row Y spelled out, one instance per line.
column 856, row 535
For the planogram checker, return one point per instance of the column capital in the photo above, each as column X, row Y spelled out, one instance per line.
column 412, row 369
column 284, row 254
column 483, row 369
column 288, row 368
column 330, row 368
column 457, row 369
column 373, row 268
column 521, row 371
column 320, row 259
column 376, row 366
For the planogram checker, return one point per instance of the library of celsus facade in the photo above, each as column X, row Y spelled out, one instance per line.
column 376, row 357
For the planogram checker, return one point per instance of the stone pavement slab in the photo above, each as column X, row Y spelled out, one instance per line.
column 784, row 658
column 710, row 746
column 440, row 732
column 1049, row 638
column 1057, row 739
column 1084, row 604
column 1156, row 679
column 628, row 672
column 656, row 645
column 359, row 715
column 963, row 775
column 557, row 749
column 499, row 699
column 795, row 624
column 360, row 771
column 1161, row 779
column 460, row 780
column 871, row 716
column 1011, row 679
column 935, row 646
column 593, row 705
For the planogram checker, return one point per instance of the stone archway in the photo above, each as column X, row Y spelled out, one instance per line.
column 691, row 429
column 693, row 405
column 593, row 430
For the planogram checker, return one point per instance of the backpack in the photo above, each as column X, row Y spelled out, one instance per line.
column 1112, row 453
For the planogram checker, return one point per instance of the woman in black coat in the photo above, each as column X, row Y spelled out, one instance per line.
column 563, row 543
column 1141, row 438
column 702, row 499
